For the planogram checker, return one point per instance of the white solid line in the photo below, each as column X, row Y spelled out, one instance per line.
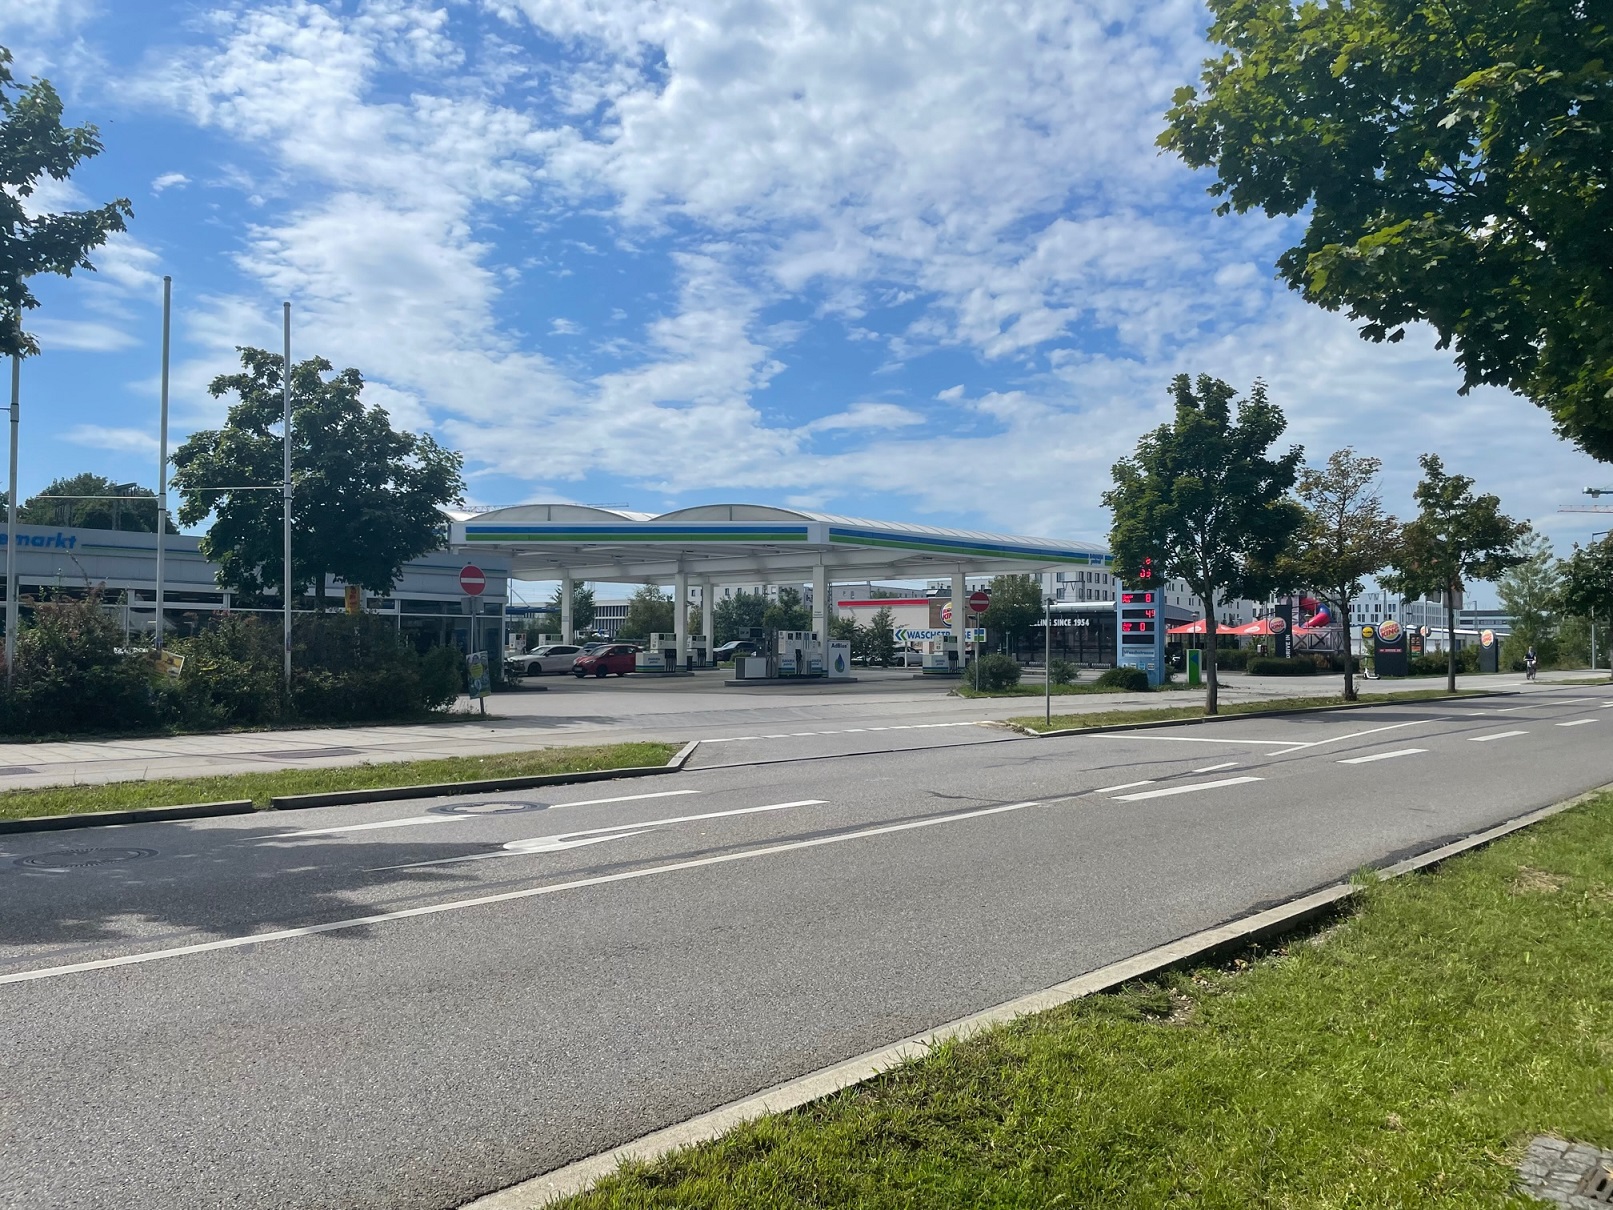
column 1367, row 760
column 1200, row 785
column 1226, row 764
column 49, row 972
column 1416, row 722
column 1578, row 722
column 1479, row 739
column 412, row 820
column 1198, row 739
column 775, row 737
column 1124, row 786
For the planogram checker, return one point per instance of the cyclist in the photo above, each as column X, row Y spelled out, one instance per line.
column 1531, row 662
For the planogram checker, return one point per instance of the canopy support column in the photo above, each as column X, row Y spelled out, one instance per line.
column 820, row 603
column 958, row 607
column 566, row 590
column 680, row 614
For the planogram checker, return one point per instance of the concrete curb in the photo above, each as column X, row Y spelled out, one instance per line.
column 1059, row 733
column 581, row 1175
column 105, row 819
column 334, row 798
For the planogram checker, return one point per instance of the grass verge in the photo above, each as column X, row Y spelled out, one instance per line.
column 260, row 787
column 1115, row 718
column 1078, row 689
column 1402, row 1057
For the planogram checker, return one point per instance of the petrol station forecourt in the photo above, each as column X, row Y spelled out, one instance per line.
column 709, row 546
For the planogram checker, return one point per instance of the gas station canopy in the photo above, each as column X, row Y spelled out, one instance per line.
column 746, row 544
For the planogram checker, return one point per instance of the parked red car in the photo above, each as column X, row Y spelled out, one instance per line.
column 613, row 657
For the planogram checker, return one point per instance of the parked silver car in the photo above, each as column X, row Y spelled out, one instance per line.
column 557, row 657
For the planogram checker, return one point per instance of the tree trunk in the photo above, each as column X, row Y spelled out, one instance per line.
column 1349, row 653
column 1450, row 639
column 1211, row 685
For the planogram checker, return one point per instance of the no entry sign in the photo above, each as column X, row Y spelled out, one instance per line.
column 472, row 581
column 979, row 601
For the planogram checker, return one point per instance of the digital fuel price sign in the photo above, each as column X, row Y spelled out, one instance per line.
column 1140, row 630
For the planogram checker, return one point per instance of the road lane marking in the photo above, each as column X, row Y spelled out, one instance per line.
column 1199, row 739
column 1147, row 781
column 1578, row 722
column 551, row 844
column 50, row 972
column 1367, row 760
column 410, row 821
column 1168, row 791
column 1479, row 739
column 1337, row 739
column 1226, row 764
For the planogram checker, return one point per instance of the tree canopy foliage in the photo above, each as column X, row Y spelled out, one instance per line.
column 35, row 145
column 1455, row 164
column 649, row 611
column 366, row 500
column 130, row 508
column 1203, row 500
column 1344, row 535
column 1456, row 538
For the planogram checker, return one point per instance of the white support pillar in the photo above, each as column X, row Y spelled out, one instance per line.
column 959, row 604
column 708, row 619
column 821, row 610
column 680, row 614
column 566, row 590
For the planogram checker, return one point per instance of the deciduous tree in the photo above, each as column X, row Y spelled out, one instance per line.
column 1454, row 164
column 91, row 501
column 1016, row 606
column 1530, row 593
column 1203, row 500
column 1344, row 537
column 1456, row 538
column 649, row 611
column 367, row 497
column 1587, row 587
column 35, row 145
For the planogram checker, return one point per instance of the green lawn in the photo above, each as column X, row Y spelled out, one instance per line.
column 1149, row 714
column 1077, row 689
column 260, row 787
column 1400, row 1058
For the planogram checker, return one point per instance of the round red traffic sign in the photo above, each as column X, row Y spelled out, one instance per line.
column 472, row 581
column 979, row 601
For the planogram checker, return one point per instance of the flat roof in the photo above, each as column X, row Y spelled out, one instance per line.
column 747, row 544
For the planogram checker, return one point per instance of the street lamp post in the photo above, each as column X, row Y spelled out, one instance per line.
column 1047, row 661
column 11, row 522
column 162, row 463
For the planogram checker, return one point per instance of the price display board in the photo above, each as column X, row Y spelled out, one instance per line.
column 1141, row 625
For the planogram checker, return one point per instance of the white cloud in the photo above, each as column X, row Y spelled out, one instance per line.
column 128, row 441
column 82, row 336
column 564, row 327
column 868, row 416
column 169, row 180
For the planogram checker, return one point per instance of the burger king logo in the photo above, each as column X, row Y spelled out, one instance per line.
column 1487, row 638
column 1278, row 625
column 1389, row 630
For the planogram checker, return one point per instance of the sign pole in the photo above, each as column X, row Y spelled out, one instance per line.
column 285, row 489
column 162, row 456
column 11, row 520
column 1047, row 664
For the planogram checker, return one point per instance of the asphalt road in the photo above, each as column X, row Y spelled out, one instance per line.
column 408, row 1005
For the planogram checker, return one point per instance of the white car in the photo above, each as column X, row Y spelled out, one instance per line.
column 557, row 657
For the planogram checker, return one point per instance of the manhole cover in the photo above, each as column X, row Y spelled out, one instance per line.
column 1573, row 1175
column 488, row 808
column 72, row 859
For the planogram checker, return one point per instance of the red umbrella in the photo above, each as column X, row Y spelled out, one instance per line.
column 1188, row 628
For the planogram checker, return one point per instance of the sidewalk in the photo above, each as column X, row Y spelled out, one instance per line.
column 596, row 712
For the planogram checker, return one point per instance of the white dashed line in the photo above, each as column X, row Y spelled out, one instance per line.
column 1578, row 722
column 1479, row 739
column 1198, row 785
column 1226, row 764
column 1130, row 785
column 1367, row 760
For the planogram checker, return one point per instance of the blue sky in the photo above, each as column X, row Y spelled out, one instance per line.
column 908, row 260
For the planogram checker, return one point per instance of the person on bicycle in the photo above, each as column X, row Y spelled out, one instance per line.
column 1530, row 662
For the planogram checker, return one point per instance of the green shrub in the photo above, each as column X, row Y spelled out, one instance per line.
column 442, row 677
column 1132, row 680
column 1236, row 658
column 72, row 674
column 232, row 675
column 995, row 672
column 1063, row 672
column 1271, row 665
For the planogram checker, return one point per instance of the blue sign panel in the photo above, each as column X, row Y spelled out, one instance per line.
column 1141, row 631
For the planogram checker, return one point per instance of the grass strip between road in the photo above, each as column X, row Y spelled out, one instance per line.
column 1151, row 714
column 1074, row 689
column 260, row 787
column 1402, row 1056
